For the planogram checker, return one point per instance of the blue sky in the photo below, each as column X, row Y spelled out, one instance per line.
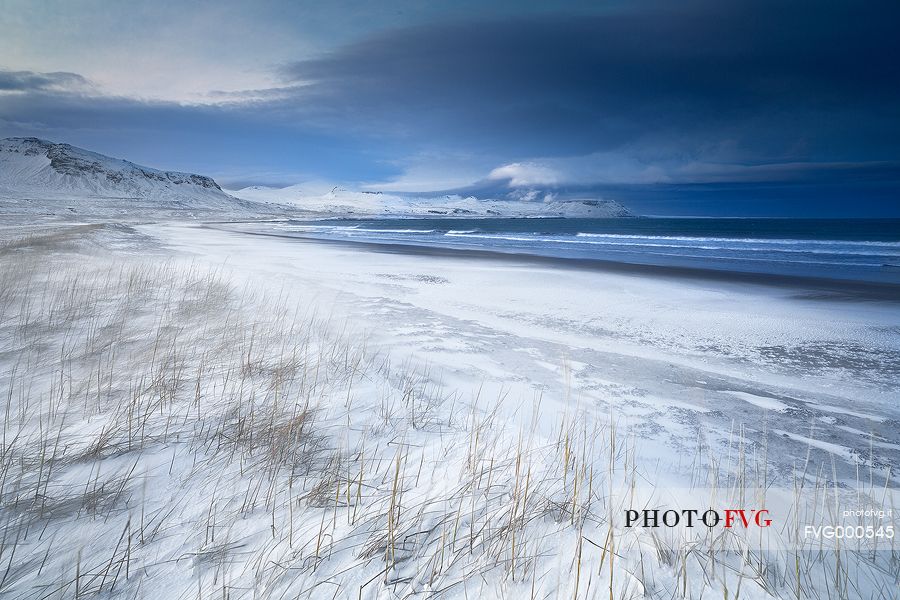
column 697, row 107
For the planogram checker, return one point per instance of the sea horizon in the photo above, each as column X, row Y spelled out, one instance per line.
column 865, row 250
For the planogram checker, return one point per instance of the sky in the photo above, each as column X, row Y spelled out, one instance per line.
column 699, row 107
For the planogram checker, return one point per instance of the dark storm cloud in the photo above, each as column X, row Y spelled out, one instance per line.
column 766, row 80
column 28, row 81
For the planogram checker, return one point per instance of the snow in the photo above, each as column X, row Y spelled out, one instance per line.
column 279, row 419
column 31, row 165
column 193, row 411
column 610, row 338
column 761, row 401
column 841, row 451
column 41, row 177
column 339, row 201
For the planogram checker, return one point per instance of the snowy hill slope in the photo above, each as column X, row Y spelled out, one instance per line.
column 338, row 201
column 38, row 177
column 41, row 176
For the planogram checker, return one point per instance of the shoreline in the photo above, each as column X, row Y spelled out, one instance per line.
column 809, row 287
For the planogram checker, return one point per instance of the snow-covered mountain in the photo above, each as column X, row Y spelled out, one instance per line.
column 41, row 176
column 38, row 177
column 339, row 201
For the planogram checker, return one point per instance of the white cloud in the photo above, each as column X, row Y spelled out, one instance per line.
column 526, row 174
column 429, row 172
column 598, row 168
column 151, row 50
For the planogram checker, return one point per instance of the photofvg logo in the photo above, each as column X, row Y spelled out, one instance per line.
column 814, row 519
column 728, row 518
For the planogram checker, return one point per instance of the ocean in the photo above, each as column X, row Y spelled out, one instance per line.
column 850, row 249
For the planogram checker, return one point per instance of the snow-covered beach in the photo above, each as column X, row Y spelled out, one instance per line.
column 240, row 414
column 679, row 355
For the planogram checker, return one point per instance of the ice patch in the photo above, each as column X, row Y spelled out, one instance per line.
column 835, row 449
column 764, row 402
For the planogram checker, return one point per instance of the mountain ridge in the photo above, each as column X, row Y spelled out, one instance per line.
column 30, row 163
column 38, row 176
column 340, row 201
